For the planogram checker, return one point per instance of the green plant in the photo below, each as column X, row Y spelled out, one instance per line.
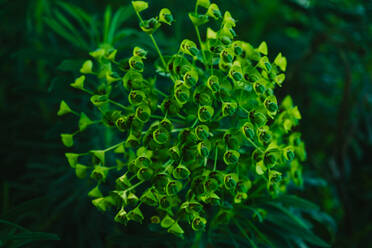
column 207, row 142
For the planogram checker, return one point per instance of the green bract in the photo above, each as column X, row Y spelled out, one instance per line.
column 201, row 135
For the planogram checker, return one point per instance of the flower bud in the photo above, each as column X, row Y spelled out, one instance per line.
column 99, row 100
column 137, row 51
column 173, row 187
column 166, row 16
column 161, row 136
column 257, row 118
column 205, row 113
column 213, row 83
column 100, row 173
column 248, row 130
column 143, row 113
column 136, row 97
column 271, row 104
column 189, row 47
column 149, row 198
column 264, row 134
column 231, row 157
column 202, row 132
column 182, row 94
column 203, row 148
column 229, row 108
column 144, row 173
column 239, row 197
column 181, row 172
column 150, row 26
column 198, row 223
column 191, row 78
column 230, row 181
column 121, row 217
column 133, row 80
column 198, row 19
column 135, row 215
column 214, row 11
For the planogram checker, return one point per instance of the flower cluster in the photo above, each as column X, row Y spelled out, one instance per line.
column 197, row 145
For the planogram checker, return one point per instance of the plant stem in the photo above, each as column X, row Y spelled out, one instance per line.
column 159, row 52
column 120, row 105
column 254, row 144
column 134, row 186
column 215, row 159
column 201, row 48
column 113, row 147
column 154, row 42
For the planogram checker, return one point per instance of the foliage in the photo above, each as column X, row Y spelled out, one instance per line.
column 327, row 45
column 214, row 143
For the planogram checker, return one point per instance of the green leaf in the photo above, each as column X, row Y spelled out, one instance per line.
column 106, row 23
column 281, row 62
column 140, row 6
column 176, row 229
column 79, row 83
column 67, row 139
column 95, row 192
column 72, row 159
column 81, row 170
column 262, row 48
column 260, row 168
column 84, row 121
column 63, row 109
column 203, row 3
column 100, row 154
column 87, row 67
column 167, row 221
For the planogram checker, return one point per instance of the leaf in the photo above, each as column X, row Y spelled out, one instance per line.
column 60, row 30
column 281, row 62
column 79, row 83
column 262, row 48
column 84, row 121
column 260, row 168
column 106, row 23
column 176, row 229
column 87, row 67
column 70, row 65
column 140, row 6
column 100, row 154
column 67, row 139
column 63, row 109
column 81, row 170
column 72, row 159
column 167, row 221
column 121, row 15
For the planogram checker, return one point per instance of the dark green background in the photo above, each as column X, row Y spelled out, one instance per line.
column 328, row 47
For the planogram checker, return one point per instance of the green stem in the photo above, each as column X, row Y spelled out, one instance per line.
column 154, row 42
column 160, row 92
column 195, row 122
column 113, row 147
column 120, row 105
column 134, row 186
column 215, row 159
column 159, row 52
column 201, row 48
column 254, row 144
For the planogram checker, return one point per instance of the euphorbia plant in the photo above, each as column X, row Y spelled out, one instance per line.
column 198, row 134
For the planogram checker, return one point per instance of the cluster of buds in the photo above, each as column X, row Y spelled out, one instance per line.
column 195, row 146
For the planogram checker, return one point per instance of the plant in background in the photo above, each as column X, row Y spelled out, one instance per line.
column 197, row 146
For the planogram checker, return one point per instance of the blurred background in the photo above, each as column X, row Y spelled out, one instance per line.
column 328, row 47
